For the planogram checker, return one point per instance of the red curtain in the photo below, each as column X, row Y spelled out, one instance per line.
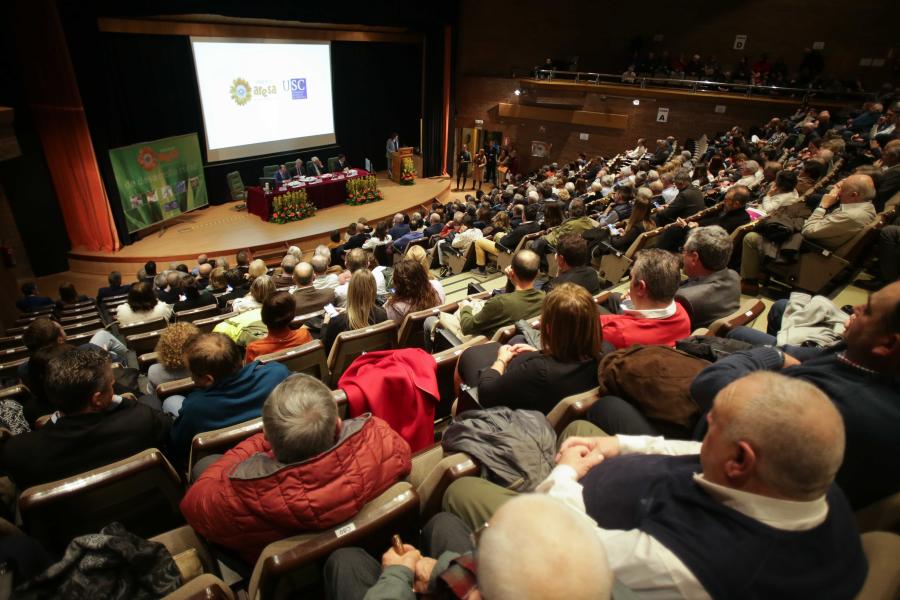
column 56, row 108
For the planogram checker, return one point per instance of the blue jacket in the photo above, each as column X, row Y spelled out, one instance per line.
column 233, row 400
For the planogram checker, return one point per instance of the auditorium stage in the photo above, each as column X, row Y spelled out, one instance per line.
column 222, row 231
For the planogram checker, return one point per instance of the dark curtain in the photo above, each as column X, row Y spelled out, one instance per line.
column 434, row 101
column 376, row 89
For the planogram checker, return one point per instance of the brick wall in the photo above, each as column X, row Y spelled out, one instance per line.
column 477, row 98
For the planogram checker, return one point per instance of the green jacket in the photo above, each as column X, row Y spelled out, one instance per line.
column 577, row 226
column 500, row 311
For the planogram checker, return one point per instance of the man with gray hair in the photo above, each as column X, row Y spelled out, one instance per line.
column 519, row 555
column 688, row 201
column 712, row 289
column 739, row 515
column 399, row 228
column 750, row 174
column 323, row 279
column 307, row 470
column 285, row 277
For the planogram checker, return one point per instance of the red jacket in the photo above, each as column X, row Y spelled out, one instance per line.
column 623, row 331
column 247, row 499
column 400, row 386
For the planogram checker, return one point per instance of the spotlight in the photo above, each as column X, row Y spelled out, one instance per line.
column 636, row 102
column 518, row 92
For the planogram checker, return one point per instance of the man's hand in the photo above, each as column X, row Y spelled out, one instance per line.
column 608, row 446
column 580, row 458
column 832, row 197
column 423, row 574
column 681, row 222
column 789, row 361
column 409, row 559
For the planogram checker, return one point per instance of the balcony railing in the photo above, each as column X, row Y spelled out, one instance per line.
column 699, row 86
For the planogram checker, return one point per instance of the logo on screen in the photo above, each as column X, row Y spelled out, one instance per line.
column 297, row 87
column 240, row 91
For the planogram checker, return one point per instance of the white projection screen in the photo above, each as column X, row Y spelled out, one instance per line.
column 263, row 96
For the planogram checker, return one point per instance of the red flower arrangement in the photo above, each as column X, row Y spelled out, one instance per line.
column 291, row 206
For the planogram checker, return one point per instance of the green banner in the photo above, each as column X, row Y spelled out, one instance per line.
column 159, row 180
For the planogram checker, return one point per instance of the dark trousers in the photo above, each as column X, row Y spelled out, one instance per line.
column 542, row 248
column 475, row 360
column 463, row 173
column 350, row 572
column 615, row 415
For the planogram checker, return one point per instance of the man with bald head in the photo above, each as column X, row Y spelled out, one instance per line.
column 830, row 230
column 861, row 375
column 308, row 297
column 534, row 548
column 752, row 512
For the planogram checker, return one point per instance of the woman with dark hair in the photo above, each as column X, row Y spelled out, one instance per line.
column 715, row 165
column 194, row 297
column 412, row 291
column 553, row 215
column 521, row 376
column 68, row 295
column 361, row 308
column 380, row 236
column 142, row 305
column 277, row 314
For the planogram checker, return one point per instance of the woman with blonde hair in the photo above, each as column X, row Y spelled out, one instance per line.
column 361, row 309
column 256, row 268
column 521, row 376
column 248, row 326
column 421, row 256
column 261, row 288
column 170, row 355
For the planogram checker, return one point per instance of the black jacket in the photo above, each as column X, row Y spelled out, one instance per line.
column 688, row 202
column 511, row 239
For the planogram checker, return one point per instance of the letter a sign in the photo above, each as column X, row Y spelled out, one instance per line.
column 662, row 115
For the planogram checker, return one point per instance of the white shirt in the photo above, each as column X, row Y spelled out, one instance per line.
column 646, row 566
column 669, row 193
column 340, row 292
column 776, row 201
column 649, row 313
column 126, row 316
column 372, row 242
column 329, row 280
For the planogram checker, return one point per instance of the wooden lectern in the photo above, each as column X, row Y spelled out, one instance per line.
column 397, row 162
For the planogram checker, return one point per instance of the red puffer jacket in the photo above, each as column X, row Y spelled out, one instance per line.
column 247, row 499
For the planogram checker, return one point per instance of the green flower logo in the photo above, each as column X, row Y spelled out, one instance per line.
column 240, row 91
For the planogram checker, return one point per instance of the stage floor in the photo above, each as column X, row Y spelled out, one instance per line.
column 222, row 231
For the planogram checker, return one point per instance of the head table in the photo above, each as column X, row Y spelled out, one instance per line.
column 327, row 190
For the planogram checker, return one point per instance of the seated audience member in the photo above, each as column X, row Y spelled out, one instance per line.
column 68, row 296
column 520, row 376
column 620, row 208
column 115, row 287
column 284, row 276
column 860, row 376
column 356, row 259
column 356, row 237
column 572, row 258
column 828, row 229
column 412, row 292
column 505, row 309
column 260, row 289
column 712, row 289
column 226, row 393
column 399, row 227
column 734, row 210
column 243, row 258
column 218, row 283
column 257, row 267
column 739, row 515
column 434, row 225
column 194, row 295
column 142, row 305
column 750, row 173
column 601, row 241
column 149, row 271
column 169, row 289
column 361, row 308
column 307, row 470
column 247, row 325
column 649, row 315
column 307, row 297
column 324, row 279
column 39, row 404
column 277, row 314
column 516, row 558
column 44, row 332
column 201, row 260
column 170, row 355
column 782, row 193
column 688, row 201
column 415, row 233
column 203, row 275
column 421, row 256
column 92, row 427
column 508, row 241
column 380, row 237
column 238, row 287
column 466, row 236
column 31, row 300
column 576, row 223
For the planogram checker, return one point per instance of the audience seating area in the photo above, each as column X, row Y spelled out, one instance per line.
column 143, row 492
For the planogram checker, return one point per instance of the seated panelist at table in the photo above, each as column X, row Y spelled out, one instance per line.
column 282, row 175
column 342, row 162
column 314, row 167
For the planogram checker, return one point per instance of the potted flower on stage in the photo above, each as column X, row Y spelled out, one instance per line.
column 363, row 190
column 291, row 206
column 407, row 172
